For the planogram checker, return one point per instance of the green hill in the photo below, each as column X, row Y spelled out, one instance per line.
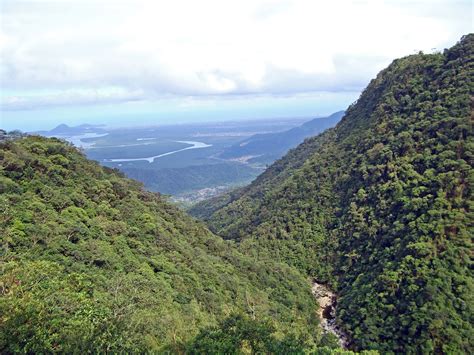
column 90, row 262
column 177, row 181
column 379, row 207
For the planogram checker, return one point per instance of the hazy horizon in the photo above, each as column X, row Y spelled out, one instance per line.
column 248, row 109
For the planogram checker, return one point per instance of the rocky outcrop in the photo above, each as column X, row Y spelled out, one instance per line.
column 327, row 312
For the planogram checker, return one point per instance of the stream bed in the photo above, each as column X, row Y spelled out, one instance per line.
column 327, row 312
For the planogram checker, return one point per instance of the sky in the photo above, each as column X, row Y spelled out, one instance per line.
column 133, row 62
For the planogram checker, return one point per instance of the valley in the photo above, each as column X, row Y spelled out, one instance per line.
column 190, row 162
column 347, row 234
column 192, row 145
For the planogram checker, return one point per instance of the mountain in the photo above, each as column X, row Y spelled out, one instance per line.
column 60, row 129
column 91, row 262
column 379, row 208
column 65, row 130
column 266, row 148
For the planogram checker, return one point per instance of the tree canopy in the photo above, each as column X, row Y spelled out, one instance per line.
column 90, row 262
column 379, row 207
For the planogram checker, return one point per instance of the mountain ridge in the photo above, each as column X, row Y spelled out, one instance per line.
column 378, row 207
column 263, row 148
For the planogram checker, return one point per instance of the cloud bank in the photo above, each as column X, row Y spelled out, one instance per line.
column 81, row 52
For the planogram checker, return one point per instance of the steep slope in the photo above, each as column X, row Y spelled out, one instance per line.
column 90, row 262
column 379, row 208
column 271, row 146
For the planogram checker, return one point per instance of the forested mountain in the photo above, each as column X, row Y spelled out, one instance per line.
column 90, row 262
column 379, row 207
column 266, row 148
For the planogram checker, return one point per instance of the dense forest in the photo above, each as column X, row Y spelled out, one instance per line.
column 191, row 178
column 379, row 208
column 90, row 262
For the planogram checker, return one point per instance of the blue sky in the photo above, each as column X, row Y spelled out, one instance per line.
column 159, row 62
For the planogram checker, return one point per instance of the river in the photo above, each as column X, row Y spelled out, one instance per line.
column 327, row 312
column 194, row 145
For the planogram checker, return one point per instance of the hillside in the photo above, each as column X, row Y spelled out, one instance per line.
column 378, row 207
column 177, row 181
column 266, row 148
column 90, row 262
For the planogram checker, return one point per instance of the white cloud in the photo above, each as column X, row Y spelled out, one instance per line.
column 212, row 47
column 69, row 97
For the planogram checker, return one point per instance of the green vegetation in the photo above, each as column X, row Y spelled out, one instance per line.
column 181, row 180
column 242, row 335
column 90, row 262
column 379, row 207
column 237, row 334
